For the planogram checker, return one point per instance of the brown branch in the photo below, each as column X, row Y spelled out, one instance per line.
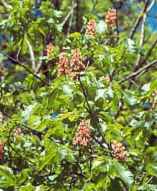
column 142, row 36
column 148, row 54
column 149, row 51
column 139, row 72
column 27, row 69
column 141, row 42
column 85, row 96
column 69, row 14
column 138, row 20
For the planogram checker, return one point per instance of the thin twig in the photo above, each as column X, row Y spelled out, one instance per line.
column 27, row 69
column 149, row 51
column 69, row 14
column 31, row 52
column 142, row 36
column 138, row 20
column 39, row 64
column 71, row 18
column 139, row 72
column 85, row 96
column 141, row 42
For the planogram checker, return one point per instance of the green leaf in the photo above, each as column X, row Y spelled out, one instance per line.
column 7, row 179
column 123, row 173
column 49, row 156
column 151, row 169
column 27, row 187
column 23, row 176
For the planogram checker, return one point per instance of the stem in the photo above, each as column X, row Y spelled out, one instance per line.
column 139, row 72
column 27, row 69
column 69, row 14
column 85, row 96
column 139, row 19
column 31, row 52
column 138, row 62
column 94, row 117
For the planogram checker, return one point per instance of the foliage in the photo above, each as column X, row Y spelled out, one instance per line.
column 80, row 115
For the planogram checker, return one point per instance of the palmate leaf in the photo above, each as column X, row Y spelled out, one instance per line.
column 27, row 187
column 23, row 176
column 123, row 173
column 7, row 178
column 151, row 169
column 51, row 154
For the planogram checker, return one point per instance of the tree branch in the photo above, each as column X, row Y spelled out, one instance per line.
column 139, row 72
column 69, row 14
column 149, row 51
column 138, row 62
column 138, row 20
column 27, row 69
column 31, row 52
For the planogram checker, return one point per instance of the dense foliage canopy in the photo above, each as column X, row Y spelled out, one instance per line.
column 78, row 87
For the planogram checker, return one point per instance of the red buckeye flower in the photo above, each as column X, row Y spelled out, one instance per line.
column 119, row 151
column 63, row 64
column 49, row 49
column 91, row 28
column 111, row 17
column 83, row 134
column 76, row 64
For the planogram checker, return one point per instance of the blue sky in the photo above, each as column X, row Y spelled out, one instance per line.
column 152, row 18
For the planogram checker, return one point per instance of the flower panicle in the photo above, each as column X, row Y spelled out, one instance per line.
column 91, row 28
column 111, row 17
column 83, row 134
column 119, row 151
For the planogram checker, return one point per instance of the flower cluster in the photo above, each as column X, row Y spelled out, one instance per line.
column 76, row 63
column 49, row 49
column 119, row 151
column 91, row 28
column 111, row 17
column 63, row 64
column 17, row 132
column 1, row 151
column 83, row 134
column 73, row 67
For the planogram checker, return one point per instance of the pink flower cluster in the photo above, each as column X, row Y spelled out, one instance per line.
column 83, row 134
column 91, row 28
column 119, row 151
column 76, row 64
column 49, row 49
column 111, row 17
column 63, row 64
column 73, row 67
